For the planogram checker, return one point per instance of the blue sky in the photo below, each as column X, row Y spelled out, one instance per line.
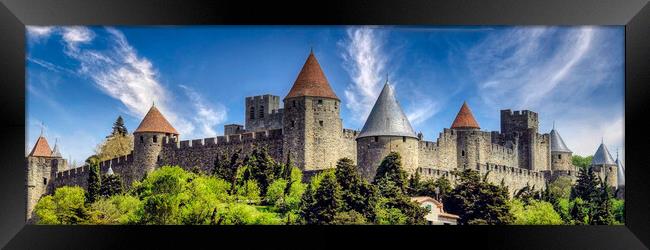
column 79, row 79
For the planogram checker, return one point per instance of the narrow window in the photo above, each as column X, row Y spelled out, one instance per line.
column 141, row 138
column 376, row 138
column 44, row 181
column 293, row 123
column 403, row 138
column 462, row 153
column 261, row 111
column 155, row 138
column 321, row 123
column 559, row 157
column 294, row 103
column 320, row 102
column 251, row 113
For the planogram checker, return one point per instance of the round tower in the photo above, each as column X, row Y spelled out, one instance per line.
column 560, row 153
column 605, row 166
column 148, row 140
column 312, row 124
column 386, row 130
column 468, row 143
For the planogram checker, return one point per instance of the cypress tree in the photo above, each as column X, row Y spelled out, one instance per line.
column 586, row 187
column 603, row 214
column 357, row 194
column 415, row 184
column 94, row 183
column 111, row 185
column 323, row 203
column 391, row 168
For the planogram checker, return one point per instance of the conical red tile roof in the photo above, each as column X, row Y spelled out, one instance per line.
column 311, row 81
column 41, row 148
column 465, row 118
column 154, row 121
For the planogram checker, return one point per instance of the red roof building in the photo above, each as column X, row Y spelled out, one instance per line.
column 154, row 121
column 311, row 81
column 41, row 148
column 465, row 119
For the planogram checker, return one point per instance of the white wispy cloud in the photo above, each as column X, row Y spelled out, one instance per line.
column 555, row 72
column 366, row 62
column 35, row 33
column 207, row 116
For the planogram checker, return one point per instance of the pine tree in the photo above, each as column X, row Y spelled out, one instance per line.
column 358, row 195
column 415, row 184
column 579, row 213
column 325, row 201
column 286, row 174
column 603, row 214
column 586, row 187
column 391, row 168
column 119, row 128
column 111, row 185
column 477, row 201
column 94, row 184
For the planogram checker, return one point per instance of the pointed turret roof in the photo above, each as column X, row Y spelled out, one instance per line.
column 154, row 121
column 109, row 171
column 41, row 148
column 311, row 81
column 620, row 172
column 55, row 151
column 557, row 144
column 387, row 117
column 465, row 118
column 602, row 156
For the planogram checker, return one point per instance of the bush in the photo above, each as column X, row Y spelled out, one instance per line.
column 119, row 209
column 66, row 206
column 535, row 213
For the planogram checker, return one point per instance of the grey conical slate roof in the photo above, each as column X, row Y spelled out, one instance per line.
column 602, row 156
column 109, row 171
column 55, row 151
column 557, row 144
column 387, row 117
column 620, row 172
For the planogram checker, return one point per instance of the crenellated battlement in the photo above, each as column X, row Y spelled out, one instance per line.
column 264, row 135
column 350, row 133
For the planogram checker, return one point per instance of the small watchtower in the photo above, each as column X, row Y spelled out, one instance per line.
column 148, row 141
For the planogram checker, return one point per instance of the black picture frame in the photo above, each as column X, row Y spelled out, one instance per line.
column 15, row 14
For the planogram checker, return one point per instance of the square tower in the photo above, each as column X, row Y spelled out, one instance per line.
column 262, row 112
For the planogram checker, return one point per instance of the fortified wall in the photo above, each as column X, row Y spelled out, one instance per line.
column 202, row 153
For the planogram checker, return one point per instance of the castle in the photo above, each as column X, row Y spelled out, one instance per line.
column 308, row 129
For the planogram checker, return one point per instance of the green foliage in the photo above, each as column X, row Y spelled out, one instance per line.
column 391, row 169
column 66, row 206
column 322, row 202
column 94, row 184
column 528, row 194
column 477, row 201
column 114, row 210
column 261, row 168
column 119, row 128
column 242, row 214
column 358, row 195
column 586, row 187
column 534, row 213
column 581, row 162
column 603, row 213
column 560, row 188
column 580, row 212
column 111, row 185
column 228, row 169
column 619, row 210
column 563, row 207
column 249, row 192
column 349, row 218
column 429, row 187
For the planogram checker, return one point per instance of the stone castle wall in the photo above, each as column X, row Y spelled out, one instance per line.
column 372, row 150
column 348, row 147
column 541, row 155
column 440, row 154
column 201, row 153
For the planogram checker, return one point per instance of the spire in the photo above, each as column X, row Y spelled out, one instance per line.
column 55, row 151
column 602, row 156
column 620, row 171
column 109, row 171
column 557, row 144
column 311, row 81
column 154, row 121
column 41, row 148
column 387, row 117
column 465, row 119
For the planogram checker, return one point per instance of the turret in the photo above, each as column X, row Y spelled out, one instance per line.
column 42, row 166
column 312, row 124
column 386, row 130
column 148, row 140
column 620, row 178
column 465, row 126
column 560, row 153
column 604, row 165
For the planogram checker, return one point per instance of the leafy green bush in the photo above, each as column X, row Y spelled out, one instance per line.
column 66, row 206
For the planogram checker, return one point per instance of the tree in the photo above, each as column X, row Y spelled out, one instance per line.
column 111, row 185
column 477, row 201
column 358, row 195
column 325, row 202
column 114, row 210
column 66, row 206
column 261, row 167
column 114, row 146
column 391, row 169
column 534, row 213
column 560, row 188
column 579, row 212
column 581, row 162
column 119, row 128
column 429, row 187
column 527, row 194
column 415, row 184
column 619, row 210
column 586, row 187
column 603, row 214
column 94, row 184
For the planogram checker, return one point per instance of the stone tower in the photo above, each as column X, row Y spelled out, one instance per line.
column 263, row 113
column 148, row 139
column 604, row 166
column 468, row 146
column 620, row 178
column 560, row 153
column 386, row 130
column 42, row 166
column 521, row 127
column 312, row 125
